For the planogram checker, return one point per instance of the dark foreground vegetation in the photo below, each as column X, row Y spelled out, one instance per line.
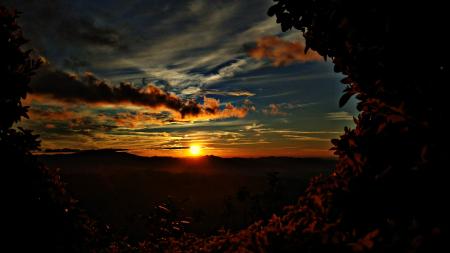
column 209, row 193
column 388, row 192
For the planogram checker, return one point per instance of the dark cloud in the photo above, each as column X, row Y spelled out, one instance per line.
column 175, row 148
column 61, row 150
column 138, row 119
column 88, row 88
column 56, row 21
column 74, row 63
column 60, row 29
column 85, row 151
column 85, row 30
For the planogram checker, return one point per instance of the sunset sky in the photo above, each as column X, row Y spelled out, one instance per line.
column 157, row 77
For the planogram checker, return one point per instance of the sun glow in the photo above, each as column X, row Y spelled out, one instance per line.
column 195, row 150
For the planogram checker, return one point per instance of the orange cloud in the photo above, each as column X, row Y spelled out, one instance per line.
column 134, row 120
column 64, row 89
column 57, row 86
column 211, row 110
column 211, row 105
column 274, row 110
column 36, row 114
column 282, row 52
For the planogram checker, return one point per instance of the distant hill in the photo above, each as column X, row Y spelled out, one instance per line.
column 110, row 160
column 115, row 186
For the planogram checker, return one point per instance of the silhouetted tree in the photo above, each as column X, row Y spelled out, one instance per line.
column 390, row 180
column 38, row 214
column 16, row 68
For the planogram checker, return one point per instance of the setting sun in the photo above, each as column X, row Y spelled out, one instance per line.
column 195, row 150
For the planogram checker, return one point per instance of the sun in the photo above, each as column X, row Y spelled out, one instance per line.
column 195, row 150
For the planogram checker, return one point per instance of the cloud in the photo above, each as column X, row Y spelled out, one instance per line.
column 88, row 88
column 281, row 52
column 291, row 106
column 277, row 109
column 137, row 119
column 50, row 21
column 51, row 122
column 172, row 148
column 87, row 31
column 339, row 116
column 228, row 71
column 233, row 93
column 191, row 90
column 211, row 109
column 194, row 90
column 305, row 138
column 61, row 150
column 274, row 110
column 75, row 63
column 254, row 127
column 193, row 80
column 50, row 115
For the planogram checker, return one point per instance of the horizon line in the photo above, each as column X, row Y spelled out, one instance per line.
column 112, row 150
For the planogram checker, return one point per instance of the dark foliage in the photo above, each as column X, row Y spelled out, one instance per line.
column 38, row 213
column 390, row 179
column 16, row 68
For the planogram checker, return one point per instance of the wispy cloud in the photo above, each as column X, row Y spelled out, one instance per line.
column 305, row 138
column 339, row 116
column 280, row 108
column 227, row 71
column 233, row 93
column 274, row 110
column 192, row 90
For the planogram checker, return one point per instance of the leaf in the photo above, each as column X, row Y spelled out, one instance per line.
column 367, row 242
column 273, row 9
column 347, row 80
column 285, row 26
column 344, row 99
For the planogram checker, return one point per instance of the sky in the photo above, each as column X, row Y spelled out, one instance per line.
column 156, row 77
